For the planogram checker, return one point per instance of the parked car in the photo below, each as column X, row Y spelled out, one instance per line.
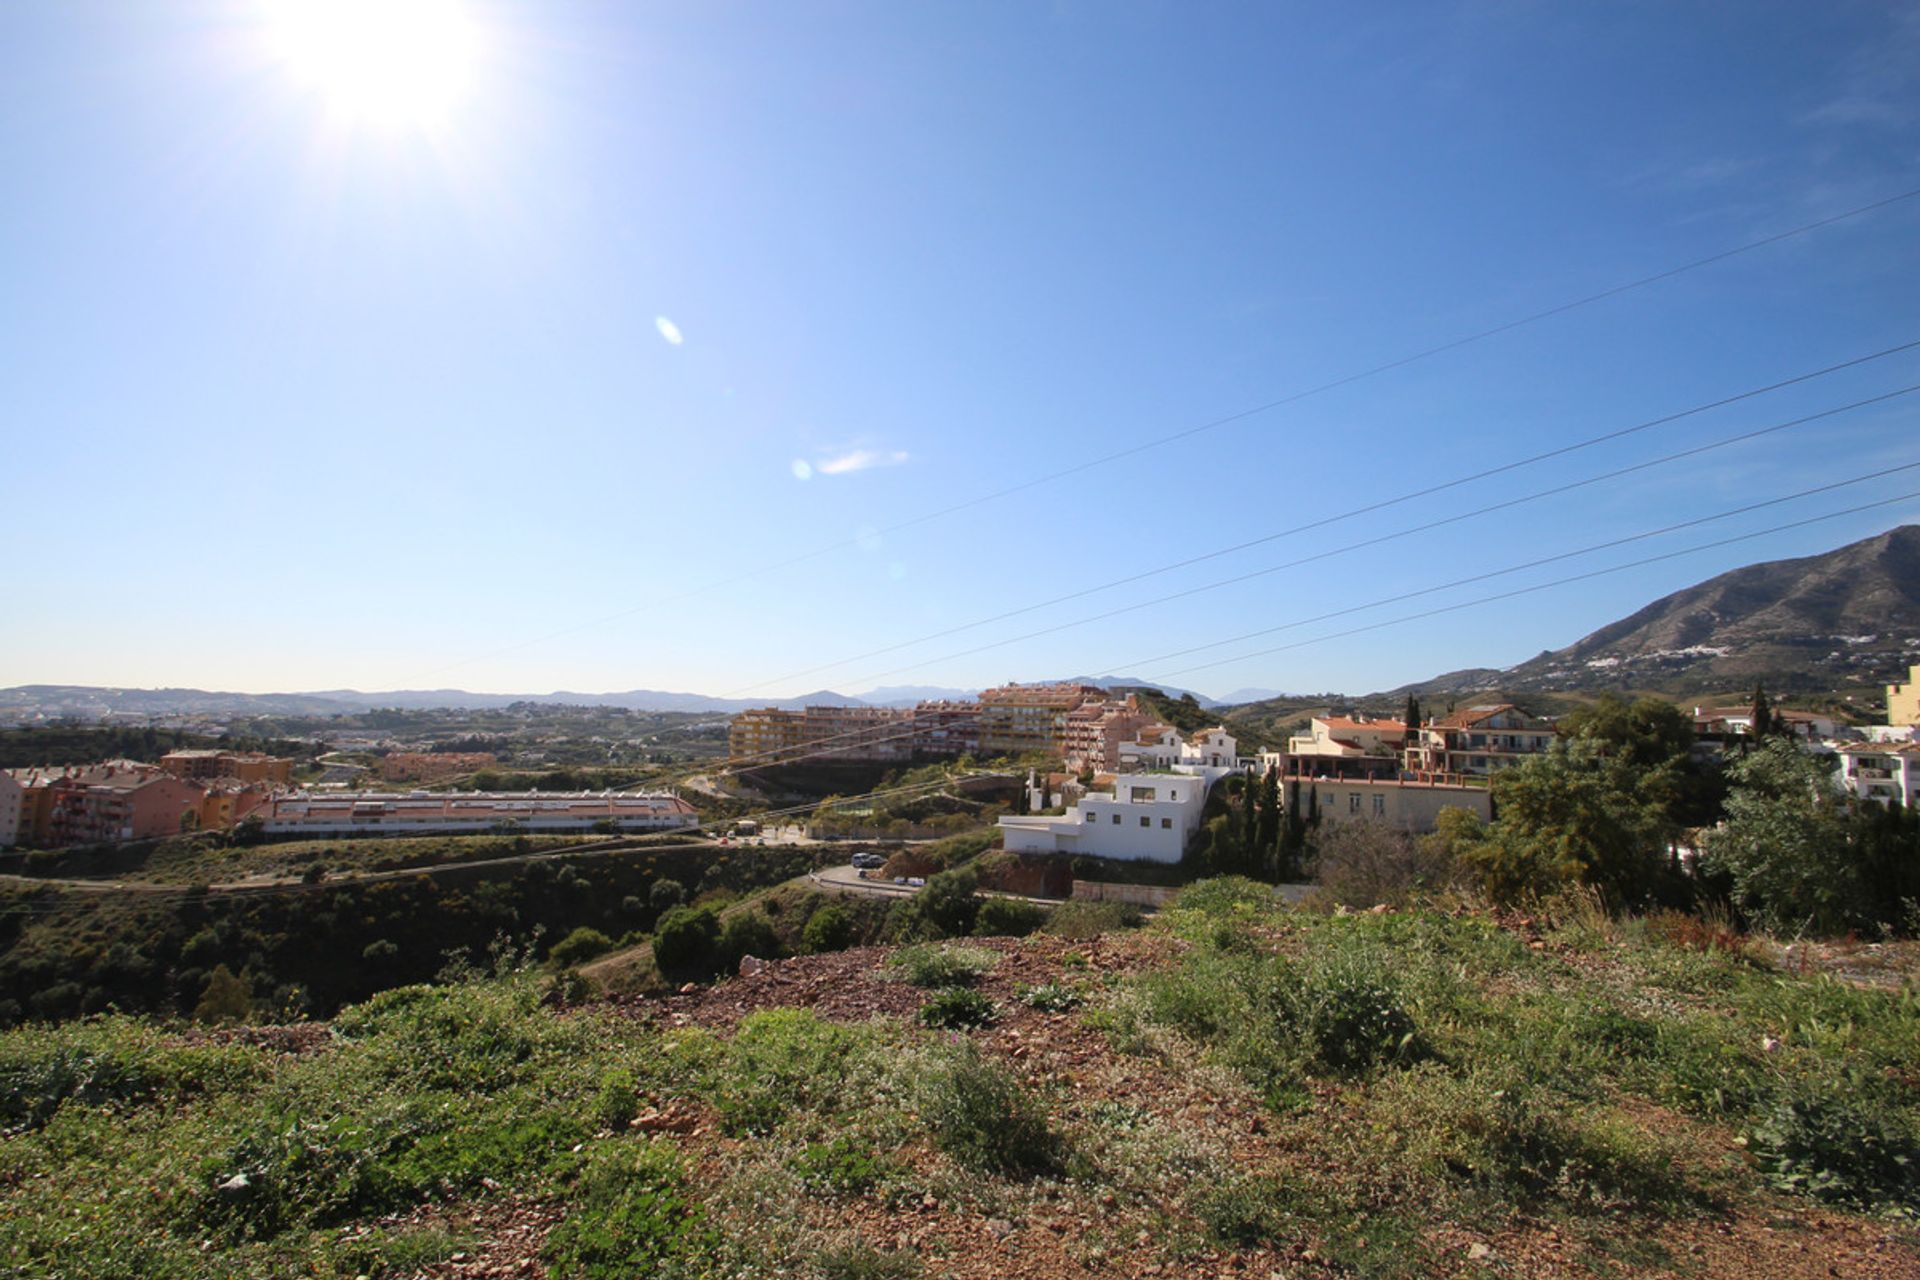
column 868, row 861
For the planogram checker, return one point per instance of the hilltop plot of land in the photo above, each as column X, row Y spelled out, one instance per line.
column 1237, row 1089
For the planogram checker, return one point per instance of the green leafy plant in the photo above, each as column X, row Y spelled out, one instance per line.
column 956, row 1008
column 933, row 965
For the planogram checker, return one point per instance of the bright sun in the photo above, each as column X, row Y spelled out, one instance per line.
column 378, row 62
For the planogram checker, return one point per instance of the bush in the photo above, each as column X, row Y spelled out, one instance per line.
column 956, row 1009
column 1081, row 920
column 666, row 894
column 1361, row 862
column 686, row 939
column 1352, row 1015
column 928, row 965
column 831, row 928
column 945, row 908
column 1240, row 1211
column 1007, row 917
column 581, row 945
column 748, row 933
column 984, row 1118
column 1839, row 1149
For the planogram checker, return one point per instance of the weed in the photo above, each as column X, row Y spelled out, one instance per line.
column 1080, row 919
column 841, row 1166
column 781, row 1060
column 1048, row 997
column 631, row 1215
column 984, row 1118
column 1842, row 1149
column 957, row 1009
column 933, row 965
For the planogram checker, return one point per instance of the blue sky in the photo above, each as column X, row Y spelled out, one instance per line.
column 513, row 394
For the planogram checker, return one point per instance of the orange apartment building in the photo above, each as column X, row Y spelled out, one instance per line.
column 242, row 766
column 771, row 735
column 1095, row 730
column 1476, row 742
column 1015, row 719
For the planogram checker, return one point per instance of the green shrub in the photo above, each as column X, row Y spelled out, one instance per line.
column 780, row 1060
column 578, row 947
column 984, row 1118
column 929, row 965
column 617, row 1099
column 1078, row 919
column 1841, row 1149
column 113, row 1061
column 748, row 933
column 1008, row 918
column 1352, row 1015
column 840, row 1166
column 666, row 894
column 831, row 928
column 630, row 1215
column 957, row 1009
column 686, row 940
column 1240, row 1211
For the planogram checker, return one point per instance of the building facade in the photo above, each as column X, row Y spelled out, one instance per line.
column 1016, row 719
column 1903, row 700
column 1476, row 743
column 472, row 812
column 1146, row 816
column 242, row 766
column 1095, row 731
column 1883, row 773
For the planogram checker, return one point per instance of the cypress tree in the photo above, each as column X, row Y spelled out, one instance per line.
column 1268, row 833
column 1763, row 721
column 1411, row 715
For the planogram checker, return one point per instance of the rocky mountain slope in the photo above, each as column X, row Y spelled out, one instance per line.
column 1848, row 617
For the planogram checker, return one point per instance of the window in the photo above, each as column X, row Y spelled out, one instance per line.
column 1379, row 806
column 1353, row 803
column 1116, row 819
column 1145, row 821
column 1166, row 824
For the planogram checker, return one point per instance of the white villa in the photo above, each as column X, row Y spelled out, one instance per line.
column 1884, row 773
column 1153, row 809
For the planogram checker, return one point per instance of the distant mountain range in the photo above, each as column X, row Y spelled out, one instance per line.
column 1848, row 617
column 96, row 702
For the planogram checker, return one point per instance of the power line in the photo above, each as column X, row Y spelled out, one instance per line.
column 1403, row 533
column 1519, row 591
column 1337, row 518
column 1186, row 433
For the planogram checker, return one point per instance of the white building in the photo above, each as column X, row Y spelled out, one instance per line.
column 1882, row 772
column 374, row 813
column 1153, row 809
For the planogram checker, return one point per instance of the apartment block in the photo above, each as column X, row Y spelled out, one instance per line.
column 1015, row 719
column 876, row 734
column 1476, row 742
column 243, row 766
column 946, row 729
column 471, row 812
column 105, row 803
column 1095, row 732
column 765, row 735
column 1903, row 700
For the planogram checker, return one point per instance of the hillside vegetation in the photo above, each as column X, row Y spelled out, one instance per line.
column 1240, row 1088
